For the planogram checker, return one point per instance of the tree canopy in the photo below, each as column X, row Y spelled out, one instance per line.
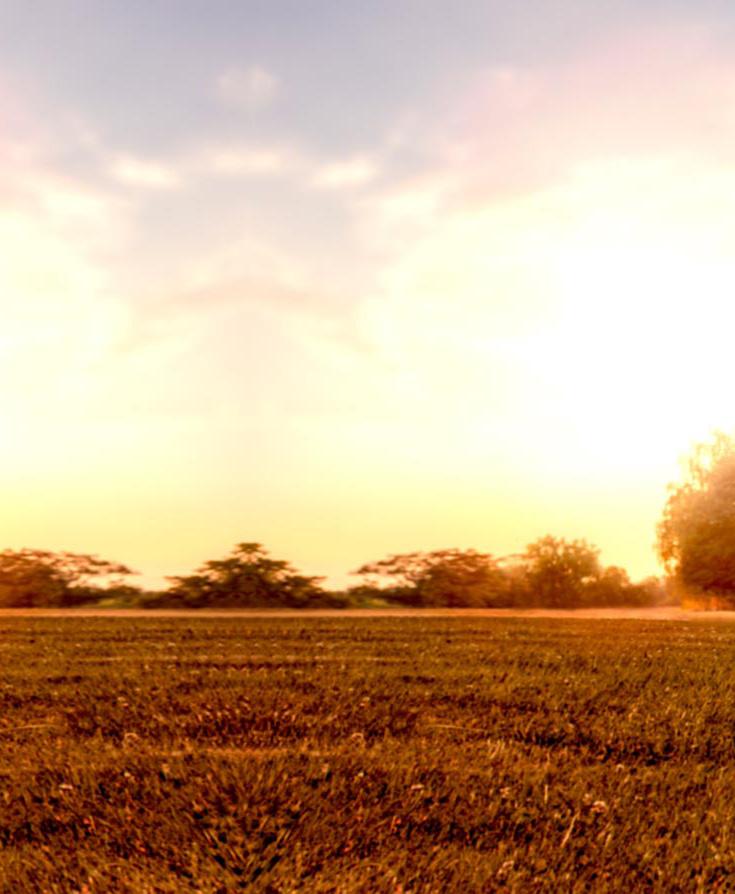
column 560, row 573
column 551, row 572
column 247, row 577
column 31, row 578
column 451, row 577
column 696, row 534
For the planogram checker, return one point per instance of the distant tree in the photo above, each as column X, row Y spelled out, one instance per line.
column 611, row 586
column 248, row 577
column 696, row 534
column 519, row 593
column 652, row 591
column 559, row 572
column 31, row 578
column 122, row 595
column 364, row 595
column 446, row 577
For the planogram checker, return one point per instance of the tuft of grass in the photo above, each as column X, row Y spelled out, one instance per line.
column 400, row 754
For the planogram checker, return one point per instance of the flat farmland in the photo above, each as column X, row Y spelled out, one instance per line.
column 380, row 754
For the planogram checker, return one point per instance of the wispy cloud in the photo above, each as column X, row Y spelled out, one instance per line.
column 245, row 161
column 188, row 166
column 144, row 173
column 571, row 236
column 247, row 88
column 646, row 92
column 59, row 240
column 345, row 174
column 191, row 164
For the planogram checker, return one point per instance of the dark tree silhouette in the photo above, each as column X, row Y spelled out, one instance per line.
column 560, row 573
column 248, row 577
column 445, row 577
column 696, row 534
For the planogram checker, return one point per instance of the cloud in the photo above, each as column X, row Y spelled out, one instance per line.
column 189, row 166
column 75, row 347
column 58, row 241
column 247, row 88
column 247, row 272
column 565, row 264
column 347, row 174
column 144, row 173
column 645, row 92
column 243, row 161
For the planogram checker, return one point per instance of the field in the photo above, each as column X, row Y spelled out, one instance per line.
column 393, row 754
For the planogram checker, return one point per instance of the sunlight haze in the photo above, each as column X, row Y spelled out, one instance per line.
column 359, row 278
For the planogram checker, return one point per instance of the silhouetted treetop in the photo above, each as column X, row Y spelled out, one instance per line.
column 559, row 572
column 247, row 577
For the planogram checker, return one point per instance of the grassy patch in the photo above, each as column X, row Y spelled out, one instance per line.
column 385, row 754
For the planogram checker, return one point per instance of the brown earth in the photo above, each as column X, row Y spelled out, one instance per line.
column 666, row 613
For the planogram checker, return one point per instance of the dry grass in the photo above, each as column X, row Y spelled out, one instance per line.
column 351, row 754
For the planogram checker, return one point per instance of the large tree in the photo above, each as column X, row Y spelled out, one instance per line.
column 696, row 534
column 31, row 578
column 444, row 577
column 248, row 577
column 561, row 573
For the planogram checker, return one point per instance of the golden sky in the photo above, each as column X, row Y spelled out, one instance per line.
column 362, row 279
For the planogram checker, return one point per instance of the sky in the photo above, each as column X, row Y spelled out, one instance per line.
column 351, row 279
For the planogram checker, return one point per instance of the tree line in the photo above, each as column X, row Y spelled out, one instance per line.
column 552, row 572
column 695, row 539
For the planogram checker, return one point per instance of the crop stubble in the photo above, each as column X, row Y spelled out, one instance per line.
column 366, row 754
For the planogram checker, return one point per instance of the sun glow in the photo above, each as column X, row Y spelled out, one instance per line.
column 500, row 309
column 571, row 343
column 646, row 283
